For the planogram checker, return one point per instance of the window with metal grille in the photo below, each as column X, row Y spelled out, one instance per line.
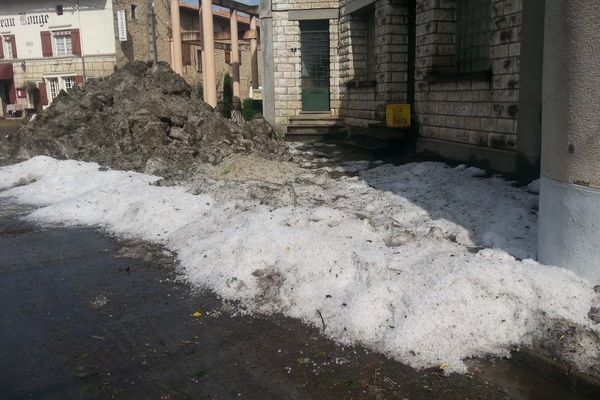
column 63, row 43
column 472, row 35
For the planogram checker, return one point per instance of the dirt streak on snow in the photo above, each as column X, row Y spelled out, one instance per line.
column 415, row 261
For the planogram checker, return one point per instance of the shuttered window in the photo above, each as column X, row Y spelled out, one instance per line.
column 472, row 35
column 9, row 46
column 63, row 43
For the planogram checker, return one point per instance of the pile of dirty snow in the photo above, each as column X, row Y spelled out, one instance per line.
column 382, row 259
column 142, row 117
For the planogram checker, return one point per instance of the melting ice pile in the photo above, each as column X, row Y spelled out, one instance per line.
column 423, row 262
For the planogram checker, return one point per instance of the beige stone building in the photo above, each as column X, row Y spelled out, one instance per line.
column 46, row 47
column 139, row 44
column 468, row 69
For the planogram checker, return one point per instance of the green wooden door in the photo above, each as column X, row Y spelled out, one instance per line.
column 315, row 65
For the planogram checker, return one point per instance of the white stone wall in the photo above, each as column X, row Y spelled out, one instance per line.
column 94, row 21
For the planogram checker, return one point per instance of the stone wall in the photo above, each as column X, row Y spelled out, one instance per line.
column 36, row 69
column 472, row 111
column 286, row 59
column 363, row 97
column 137, row 47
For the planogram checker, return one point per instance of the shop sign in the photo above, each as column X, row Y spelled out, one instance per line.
column 25, row 20
column 122, row 25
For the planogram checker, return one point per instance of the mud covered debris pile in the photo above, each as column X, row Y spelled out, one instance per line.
column 142, row 117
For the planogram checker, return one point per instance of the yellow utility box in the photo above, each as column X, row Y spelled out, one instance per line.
column 397, row 115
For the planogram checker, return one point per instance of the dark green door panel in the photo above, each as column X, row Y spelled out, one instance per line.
column 315, row 65
column 315, row 99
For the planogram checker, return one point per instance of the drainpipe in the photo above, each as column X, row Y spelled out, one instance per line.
column 152, row 27
column 83, row 72
column 569, row 220
column 176, row 60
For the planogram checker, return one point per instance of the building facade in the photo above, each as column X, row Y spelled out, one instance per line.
column 139, row 44
column 48, row 47
column 470, row 69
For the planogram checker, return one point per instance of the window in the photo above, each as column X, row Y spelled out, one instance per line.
column 53, row 86
column 133, row 7
column 364, row 49
column 69, row 82
column 7, row 45
column 63, row 43
column 472, row 35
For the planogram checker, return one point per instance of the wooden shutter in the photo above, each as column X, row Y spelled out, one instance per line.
column 46, row 44
column 186, row 54
column 13, row 45
column 1, row 47
column 76, row 42
column 78, row 79
column 43, row 94
column 227, row 56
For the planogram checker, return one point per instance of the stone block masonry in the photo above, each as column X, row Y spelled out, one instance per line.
column 287, row 59
column 477, row 111
column 366, row 90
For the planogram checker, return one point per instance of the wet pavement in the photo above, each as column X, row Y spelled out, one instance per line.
column 88, row 317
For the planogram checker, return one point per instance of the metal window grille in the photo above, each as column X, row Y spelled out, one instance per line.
column 472, row 35
column 314, row 42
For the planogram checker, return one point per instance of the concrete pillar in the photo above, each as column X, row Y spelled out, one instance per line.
column 254, row 52
column 203, row 55
column 235, row 59
column 176, row 60
column 569, row 220
column 267, row 62
column 208, row 41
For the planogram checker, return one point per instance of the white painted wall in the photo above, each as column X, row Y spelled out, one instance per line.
column 94, row 21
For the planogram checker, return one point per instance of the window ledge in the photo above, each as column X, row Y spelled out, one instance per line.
column 361, row 83
column 458, row 76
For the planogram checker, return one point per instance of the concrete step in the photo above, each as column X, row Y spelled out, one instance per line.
column 316, row 129
column 316, row 122
column 313, row 116
column 375, row 138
